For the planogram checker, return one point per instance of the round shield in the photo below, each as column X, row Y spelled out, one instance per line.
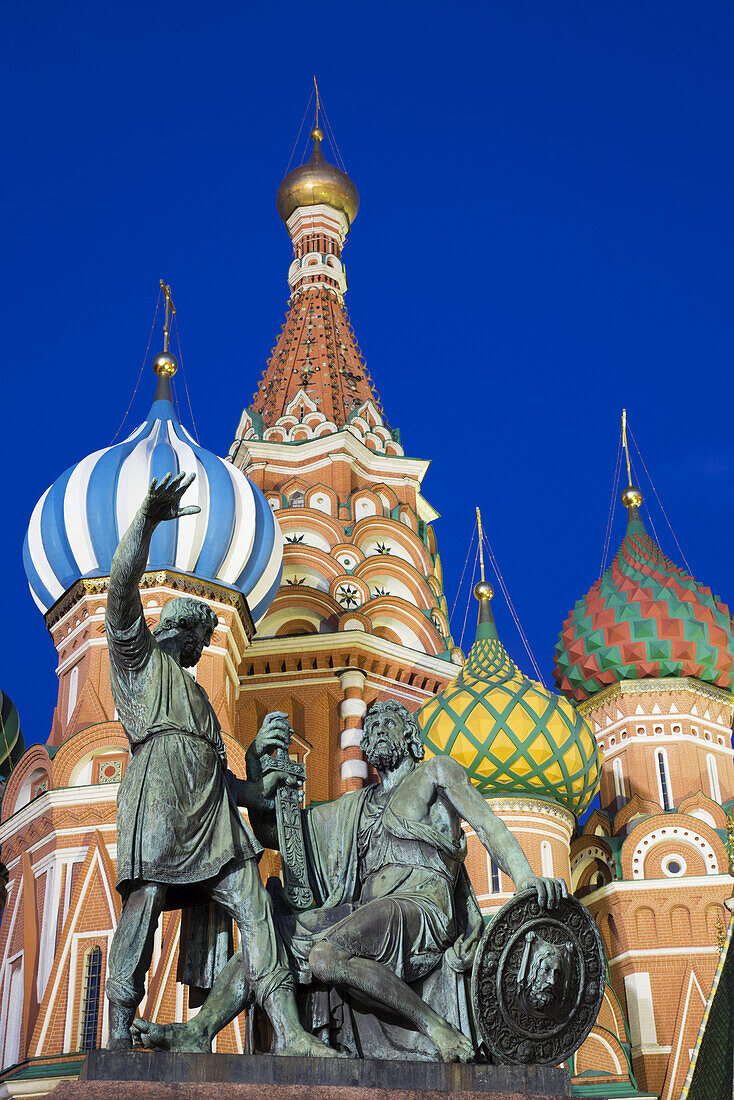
column 538, row 980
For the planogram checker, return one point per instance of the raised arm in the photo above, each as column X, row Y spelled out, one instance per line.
column 493, row 833
column 128, row 565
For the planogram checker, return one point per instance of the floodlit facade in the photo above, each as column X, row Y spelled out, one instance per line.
column 316, row 549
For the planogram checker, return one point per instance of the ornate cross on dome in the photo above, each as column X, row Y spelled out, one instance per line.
column 170, row 311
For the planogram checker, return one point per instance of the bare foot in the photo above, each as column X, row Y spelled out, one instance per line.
column 452, row 1045
column 184, row 1037
column 306, row 1046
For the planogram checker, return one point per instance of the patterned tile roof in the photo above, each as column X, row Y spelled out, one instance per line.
column 510, row 733
column 645, row 617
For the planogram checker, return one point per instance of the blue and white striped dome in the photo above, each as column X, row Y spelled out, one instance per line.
column 234, row 540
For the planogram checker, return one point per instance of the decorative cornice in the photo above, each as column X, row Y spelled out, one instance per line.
column 503, row 804
column 184, row 583
column 666, row 683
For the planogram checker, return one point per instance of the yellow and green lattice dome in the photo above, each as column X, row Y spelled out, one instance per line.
column 511, row 735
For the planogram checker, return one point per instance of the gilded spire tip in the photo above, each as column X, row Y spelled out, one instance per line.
column 165, row 363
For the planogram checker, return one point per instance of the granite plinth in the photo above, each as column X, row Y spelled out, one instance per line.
column 110, row 1075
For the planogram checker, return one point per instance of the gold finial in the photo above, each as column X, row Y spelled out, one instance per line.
column 317, row 133
column 482, row 590
column 170, row 309
column 166, row 363
column 624, row 444
column 481, row 544
column 631, row 496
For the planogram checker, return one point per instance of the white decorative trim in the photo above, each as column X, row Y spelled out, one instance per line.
column 354, row 769
column 352, row 708
column 55, row 799
column 351, row 739
column 682, row 836
column 352, row 678
column 645, row 952
column 508, row 805
column 668, row 859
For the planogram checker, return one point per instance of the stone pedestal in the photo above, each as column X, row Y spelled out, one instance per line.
column 141, row 1075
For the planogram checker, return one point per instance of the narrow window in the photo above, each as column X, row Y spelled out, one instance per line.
column 90, row 1002
column 495, row 885
column 664, row 781
column 713, row 778
column 546, row 859
column 618, row 778
column 73, row 689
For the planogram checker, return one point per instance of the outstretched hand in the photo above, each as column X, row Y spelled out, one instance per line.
column 162, row 502
column 550, row 891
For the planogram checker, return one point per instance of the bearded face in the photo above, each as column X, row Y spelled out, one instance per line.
column 383, row 742
column 544, row 978
column 193, row 642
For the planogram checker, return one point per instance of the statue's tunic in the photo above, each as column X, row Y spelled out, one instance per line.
column 177, row 819
column 361, row 852
column 411, row 868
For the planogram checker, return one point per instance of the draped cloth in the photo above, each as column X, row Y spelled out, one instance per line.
column 177, row 818
column 359, row 852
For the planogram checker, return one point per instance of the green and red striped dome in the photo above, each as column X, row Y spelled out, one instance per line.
column 645, row 618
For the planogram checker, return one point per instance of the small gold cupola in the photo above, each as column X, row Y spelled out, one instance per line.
column 316, row 182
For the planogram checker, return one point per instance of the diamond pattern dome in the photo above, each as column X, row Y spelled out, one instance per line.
column 644, row 618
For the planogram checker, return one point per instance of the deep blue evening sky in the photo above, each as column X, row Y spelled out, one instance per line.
column 545, row 234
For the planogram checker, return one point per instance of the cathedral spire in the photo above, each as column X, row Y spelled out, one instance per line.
column 165, row 363
column 316, row 364
column 631, row 496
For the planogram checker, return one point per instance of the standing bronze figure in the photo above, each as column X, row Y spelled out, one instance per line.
column 180, row 836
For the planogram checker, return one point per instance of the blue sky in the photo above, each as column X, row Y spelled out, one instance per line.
column 545, row 235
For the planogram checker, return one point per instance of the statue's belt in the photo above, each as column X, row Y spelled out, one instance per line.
column 177, row 731
column 409, row 867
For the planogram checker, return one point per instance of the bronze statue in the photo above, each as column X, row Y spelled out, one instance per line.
column 180, row 836
column 398, row 923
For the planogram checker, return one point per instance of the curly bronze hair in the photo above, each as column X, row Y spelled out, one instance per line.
column 180, row 614
column 411, row 729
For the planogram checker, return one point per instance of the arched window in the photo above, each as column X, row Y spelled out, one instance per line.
column 618, row 778
column 713, row 777
column 495, row 886
column 298, row 499
column 664, row 789
column 90, row 999
column 546, row 860
column 73, row 690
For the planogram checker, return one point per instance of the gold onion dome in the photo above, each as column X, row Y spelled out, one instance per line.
column 316, row 182
column 511, row 735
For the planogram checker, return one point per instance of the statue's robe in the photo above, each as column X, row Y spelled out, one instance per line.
column 358, row 852
column 177, row 818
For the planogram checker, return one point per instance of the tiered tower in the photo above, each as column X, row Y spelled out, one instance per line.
column 361, row 612
column 647, row 658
